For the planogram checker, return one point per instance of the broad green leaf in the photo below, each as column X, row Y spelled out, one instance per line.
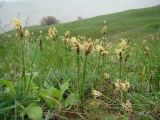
column 64, row 87
column 71, row 99
column 49, row 100
column 22, row 113
column 46, row 85
column 9, row 84
column 34, row 111
column 53, row 92
column 7, row 104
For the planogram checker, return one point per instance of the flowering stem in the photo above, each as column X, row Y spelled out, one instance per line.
column 78, row 71
column 97, row 67
column 99, row 61
column 121, row 96
column 66, row 55
column 120, row 70
column 32, row 67
column 83, row 85
column 23, row 68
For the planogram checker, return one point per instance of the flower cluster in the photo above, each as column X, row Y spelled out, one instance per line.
column 127, row 106
column 17, row 23
column 96, row 93
column 101, row 50
column 26, row 33
column 106, row 75
column 104, row 30
column 76, row 44
column 122, row 85
column 18, row 26
column 87, row 47
column 146, row 48
column 52, row 32
column 122, row 47
column 66, row 38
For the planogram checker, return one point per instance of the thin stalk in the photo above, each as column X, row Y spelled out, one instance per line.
column 83, row 85
column 66, row 55
column 121, row 96
column 17, row 44
column 32, row 67
column 120, row 70
column 99, row 63
column 78, row 72
column 96, row 69
column 23, row 68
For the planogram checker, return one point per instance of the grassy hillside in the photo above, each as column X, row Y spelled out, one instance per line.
column 94, row 73
column 132, row 23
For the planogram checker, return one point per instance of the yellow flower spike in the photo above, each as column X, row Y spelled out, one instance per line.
column 120, row 53
column 87, row 48
column 106, row 76
column 67, row 34
column 26, row 33
column 101, row 50
column 76, row 44
column 123, row 44
column 104, row 53
column 104, row 30
column 52, row 32
column 65, row 40
column 73, row 41
column 17, row 23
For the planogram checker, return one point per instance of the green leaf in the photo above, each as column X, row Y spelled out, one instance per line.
column 53, row 92
column 49, row 100
column 34, row 111
column 64, row 87
column 71, row 99
column 9, row 84
column 46, row 85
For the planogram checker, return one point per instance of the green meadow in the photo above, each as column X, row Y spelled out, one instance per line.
column 101, row 68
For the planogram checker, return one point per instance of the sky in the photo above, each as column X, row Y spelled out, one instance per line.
column 66, row 10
